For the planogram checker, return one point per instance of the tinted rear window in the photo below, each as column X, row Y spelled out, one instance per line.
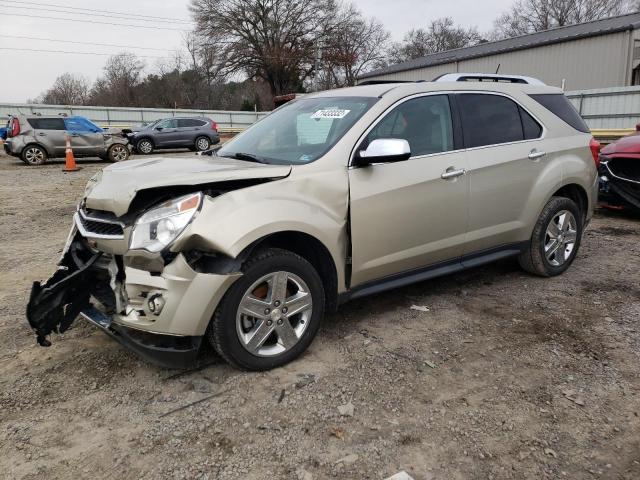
column 189, row 122
column 561, row 107
column 47, row 123
column 489, row 120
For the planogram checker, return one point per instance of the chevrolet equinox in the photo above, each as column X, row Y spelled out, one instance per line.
column 331, row 197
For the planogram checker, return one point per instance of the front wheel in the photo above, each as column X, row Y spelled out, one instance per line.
column 117, row 152
column 555, row 239
column 271, row 314
column 145, row 146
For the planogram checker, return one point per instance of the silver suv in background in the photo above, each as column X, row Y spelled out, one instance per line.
column 36, row 138
column 331, row 197
column 194, row 133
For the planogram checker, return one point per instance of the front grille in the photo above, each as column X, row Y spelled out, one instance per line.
column 100, row 225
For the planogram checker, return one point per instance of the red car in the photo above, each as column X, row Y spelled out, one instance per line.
column 620, row 173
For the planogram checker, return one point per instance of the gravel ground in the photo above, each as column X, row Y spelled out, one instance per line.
column 502, row 375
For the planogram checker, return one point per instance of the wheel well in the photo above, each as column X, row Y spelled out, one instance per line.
column 312, row 250
column 577, row 194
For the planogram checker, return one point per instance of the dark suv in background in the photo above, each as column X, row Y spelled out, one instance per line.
column 194, row 133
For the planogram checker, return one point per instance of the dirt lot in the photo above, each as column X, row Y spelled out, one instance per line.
column 505, row 376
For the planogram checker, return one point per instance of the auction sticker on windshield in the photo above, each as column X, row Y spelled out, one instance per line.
column 330, row 113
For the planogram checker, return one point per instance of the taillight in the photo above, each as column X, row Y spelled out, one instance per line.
column 15, row 128
column 595, row 146
column 214, row 126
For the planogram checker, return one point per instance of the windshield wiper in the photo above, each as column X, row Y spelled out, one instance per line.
column 249, row 157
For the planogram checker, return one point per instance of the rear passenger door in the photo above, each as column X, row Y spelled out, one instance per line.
column 505, row 159
column 189, row 129
column 50, row 133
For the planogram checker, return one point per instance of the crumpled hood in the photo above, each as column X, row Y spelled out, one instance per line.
column 120, row 182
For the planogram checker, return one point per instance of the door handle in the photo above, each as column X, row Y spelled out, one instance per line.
column 42, row 134
column 536, row 154
column 450, row 173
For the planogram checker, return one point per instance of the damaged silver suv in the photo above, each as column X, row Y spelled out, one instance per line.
column 331, row 197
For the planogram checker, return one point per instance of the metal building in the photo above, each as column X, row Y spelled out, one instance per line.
column 599, row 54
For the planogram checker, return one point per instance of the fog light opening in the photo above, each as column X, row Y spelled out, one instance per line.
column 156, row 304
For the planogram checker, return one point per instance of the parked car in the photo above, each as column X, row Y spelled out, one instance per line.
column 620, row 173
column 195, row 133
column 332, row 197
column 36, row 138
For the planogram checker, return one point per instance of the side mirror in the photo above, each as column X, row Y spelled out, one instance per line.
column 384, row 150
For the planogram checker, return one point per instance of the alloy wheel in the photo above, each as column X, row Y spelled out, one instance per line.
column 202, row 144
column 145, row 146
column 34, row 156
column 119, row 153
column 560, row 238
column 274, row 314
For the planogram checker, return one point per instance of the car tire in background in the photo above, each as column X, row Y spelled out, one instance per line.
column 34, row 155
column 202, row 144
column 555, row 240
column 271, row 314
column 145, row 146
column 117, row 152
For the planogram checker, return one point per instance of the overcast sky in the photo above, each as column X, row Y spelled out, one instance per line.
column 25, row 74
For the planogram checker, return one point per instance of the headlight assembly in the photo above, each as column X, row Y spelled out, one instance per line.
column 160, row 226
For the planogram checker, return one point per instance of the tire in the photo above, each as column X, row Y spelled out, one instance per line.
column 232, row 333
column 34, row 155
column 145, row 146
column 544, row 256
column 117, row 153
column 202, row 144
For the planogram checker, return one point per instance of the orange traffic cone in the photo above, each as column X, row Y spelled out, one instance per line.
column 70, row 162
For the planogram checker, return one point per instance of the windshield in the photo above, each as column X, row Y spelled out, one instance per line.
column 300, row 131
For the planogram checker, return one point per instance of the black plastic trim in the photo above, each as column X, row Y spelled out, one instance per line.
column 432, row 271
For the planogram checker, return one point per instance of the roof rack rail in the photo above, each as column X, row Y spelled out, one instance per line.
column 487, row 77
column 383, row 82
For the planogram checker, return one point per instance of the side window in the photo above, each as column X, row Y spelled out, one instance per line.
column 424, row 122
column 189, row 122
column 489, row 119
column 170, row 123
column 47, row 123
column 75, row 124
column 530, row 127
column 560, row 106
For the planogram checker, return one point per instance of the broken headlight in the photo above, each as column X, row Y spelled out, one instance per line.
column 160, row 226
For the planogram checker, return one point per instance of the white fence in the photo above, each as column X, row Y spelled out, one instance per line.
column 125, row 116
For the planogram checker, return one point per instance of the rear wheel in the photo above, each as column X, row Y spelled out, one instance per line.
column 34, row 155
column 117, row 152
column 144, row 146
column 555, row 240
column 271, row 314
column 202, row 144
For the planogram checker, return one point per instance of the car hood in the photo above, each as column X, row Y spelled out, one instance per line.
column 117, row 185
column 630, row 144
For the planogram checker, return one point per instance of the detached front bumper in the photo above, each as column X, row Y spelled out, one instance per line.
column 162, row 317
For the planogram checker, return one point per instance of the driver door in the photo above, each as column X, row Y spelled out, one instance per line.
column 166, row 133
column 404, row 215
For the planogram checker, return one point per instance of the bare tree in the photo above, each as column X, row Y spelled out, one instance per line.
column 269, row 39
column 355, row 46
column 122, row 74
column 442, row 34
column 68, row 89
column 528, row 16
